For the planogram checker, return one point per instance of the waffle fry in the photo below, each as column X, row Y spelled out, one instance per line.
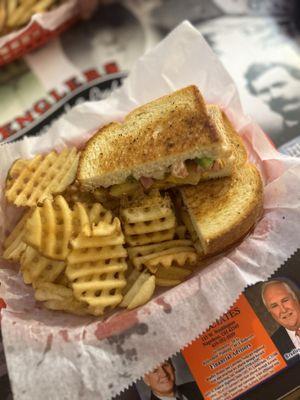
column 166, row 254
column 63, row 280
column 73, row 252
column 36, row 268
column 140, row 292
column 147, row 219
column 103, row 222
column 88, row 220
column 95, row 220
column 29, row 182
column 60, row 298
column 168, row 258
column 96, row 264
column 157, row 247
column 152, row 237
column 16, row 168
column 145, row 208
column 14, row 245
column 82, row 242
column 96, row 254
column 135, row 216
column 99, row 284
column 173, row 273
column 156, row 225
column 81, row 221
column 49, row 228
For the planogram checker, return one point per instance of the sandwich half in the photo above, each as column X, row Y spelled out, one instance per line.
column 222, row 211
column 171, row 141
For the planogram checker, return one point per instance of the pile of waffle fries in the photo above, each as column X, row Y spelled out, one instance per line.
column 85, row 257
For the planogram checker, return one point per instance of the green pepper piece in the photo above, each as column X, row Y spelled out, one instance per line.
column 205, row 162
column 131, row 179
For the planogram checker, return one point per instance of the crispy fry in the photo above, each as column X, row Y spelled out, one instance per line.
column 29, row 182
column 152, row 237
column 140, row 292
column 95, row 254
column 51, row 291
column 145, row 208
column 139, row 228
column 103, row 222
column 167, row 282
column 98, row 284
column 82, row 242
column 49, row 229
column 173, row 273
column 58, row 297
column 168, row 258
column 173, row 252
column 14, row 245
column 156, row 247
column 36, row 268
column 147, row 218
column 81, row 221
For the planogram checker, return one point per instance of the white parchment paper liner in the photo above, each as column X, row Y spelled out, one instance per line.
column 56, row 356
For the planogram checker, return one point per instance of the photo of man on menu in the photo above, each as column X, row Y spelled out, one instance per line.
column 170, row 380
column 282, row 302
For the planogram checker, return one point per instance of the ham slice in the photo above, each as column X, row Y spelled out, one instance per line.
column 146, row 182
column 216, row 166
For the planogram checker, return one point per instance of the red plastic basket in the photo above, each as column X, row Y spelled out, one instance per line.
column 2, row 304
column 33, row 37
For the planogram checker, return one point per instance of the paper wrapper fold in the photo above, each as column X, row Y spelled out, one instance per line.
column 53, row 355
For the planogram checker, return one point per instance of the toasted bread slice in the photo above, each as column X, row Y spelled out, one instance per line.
column 224, row 210
column 152, row 138
column 227, row 164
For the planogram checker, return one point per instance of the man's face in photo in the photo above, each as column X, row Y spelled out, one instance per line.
column 161, row 380
column 280, row 91
column 283, row 306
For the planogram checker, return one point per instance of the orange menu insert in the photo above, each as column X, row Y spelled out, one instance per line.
column 233, row 355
